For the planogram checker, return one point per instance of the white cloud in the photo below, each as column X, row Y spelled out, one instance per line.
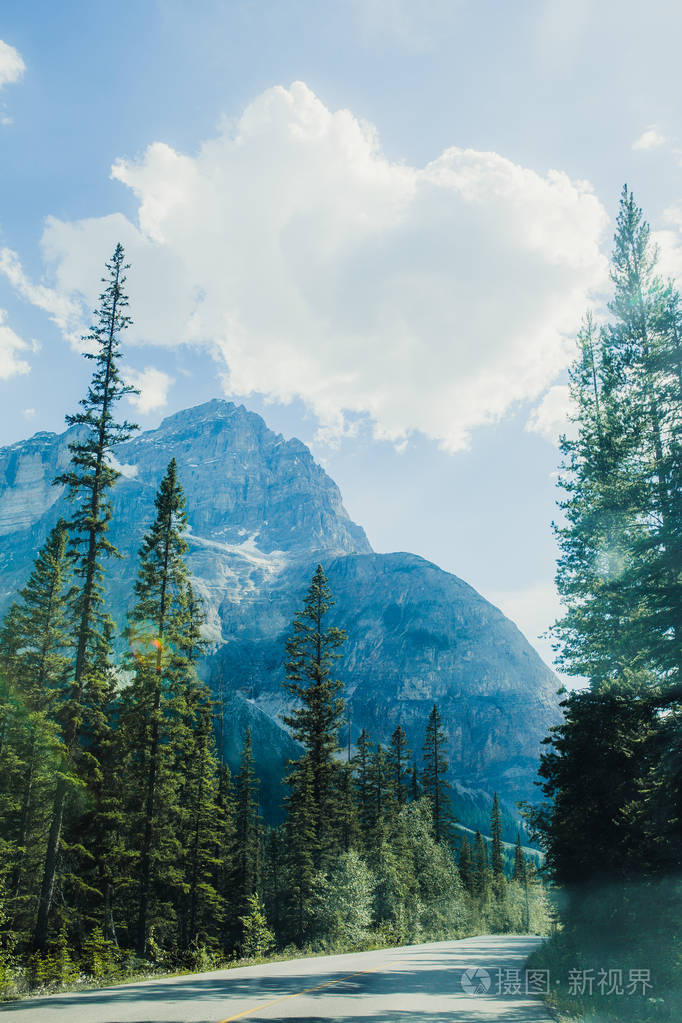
column 430, row 299
column 650, row 139
column 10, row 345
column 668, row 238
column 550, row 417
column 28, row 413
column 153, row 385
column 12, row 65
column 64, row 310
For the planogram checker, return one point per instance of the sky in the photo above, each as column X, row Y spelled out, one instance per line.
column 375, row 222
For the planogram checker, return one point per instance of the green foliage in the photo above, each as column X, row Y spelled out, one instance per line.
column 611, row 823
column 438, row 885
column 299, row 864
column 399, row 760
column 155, row 726
column 257, row 938
column 84, row 716
column 344, row 903
column 434, row 781
column 56, row 968
column 247, row 830
column 311, row 653
column 100, row 958
column 124, row 844
column 621, row 546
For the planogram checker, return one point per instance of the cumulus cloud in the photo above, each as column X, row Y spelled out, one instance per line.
column 550, row 417
column 427, row 298
column 65, row 311
column 10, row 344
column 668, row 238
column 652, row 138
column 153, row 385
column 12, row 65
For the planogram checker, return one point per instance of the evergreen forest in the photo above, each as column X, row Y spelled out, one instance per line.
column 611, row 773
column 126, row 845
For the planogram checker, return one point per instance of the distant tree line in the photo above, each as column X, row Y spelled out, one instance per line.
column 124, row 838
column 612, row 773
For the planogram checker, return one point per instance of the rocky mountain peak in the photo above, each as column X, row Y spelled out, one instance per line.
column 261, row 514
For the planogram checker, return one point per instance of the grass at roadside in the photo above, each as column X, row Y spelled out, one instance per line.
column 65, row 975
column 603, row 987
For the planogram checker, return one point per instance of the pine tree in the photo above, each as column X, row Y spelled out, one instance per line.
column 274, row 864
column 35, row 642
column 466, row 865
column 415, row 787
column 382, row 800
column 481, row 875
column 594, row 636
column 496, row 845
column 245, row 882
column 89, row 481
column 622, row 541
column 362, row 763
column 399, row 756
column 202, row 905
column 348, row 817
column 300, row 838
column 315, row 721
column 519, row 873
column 156, row 729
column 225, row 855
column 434, row 779
column 646, row 333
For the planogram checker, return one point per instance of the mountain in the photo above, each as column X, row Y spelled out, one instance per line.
column 262, row 514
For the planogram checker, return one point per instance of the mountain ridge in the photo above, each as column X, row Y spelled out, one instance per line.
column 262, row 513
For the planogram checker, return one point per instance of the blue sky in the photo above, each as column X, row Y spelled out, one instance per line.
column 378, row 223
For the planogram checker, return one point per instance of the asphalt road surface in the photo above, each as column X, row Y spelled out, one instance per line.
column 469, row 981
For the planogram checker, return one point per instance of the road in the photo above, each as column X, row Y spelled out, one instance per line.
column 419, row 984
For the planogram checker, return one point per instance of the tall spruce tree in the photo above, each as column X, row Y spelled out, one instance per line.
column 315, row 721
column 497, row 858
column 299, row 864
column 202, row 904
column 89, row 481
column 399, row 756
column 35, row 642
column 481, row 868
column 382, row 797
column 645, row 332
column 621, row 544
column 247, row 852
column 611, row 767
column 466, row 865
column 434, row 777
column 362, row 766
column 519, row 872
column 153, row 718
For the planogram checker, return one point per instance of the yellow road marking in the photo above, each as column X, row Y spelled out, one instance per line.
column 297, row 994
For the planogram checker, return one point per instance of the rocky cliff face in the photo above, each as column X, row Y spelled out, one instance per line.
column 416, row 635
column 262, row 514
